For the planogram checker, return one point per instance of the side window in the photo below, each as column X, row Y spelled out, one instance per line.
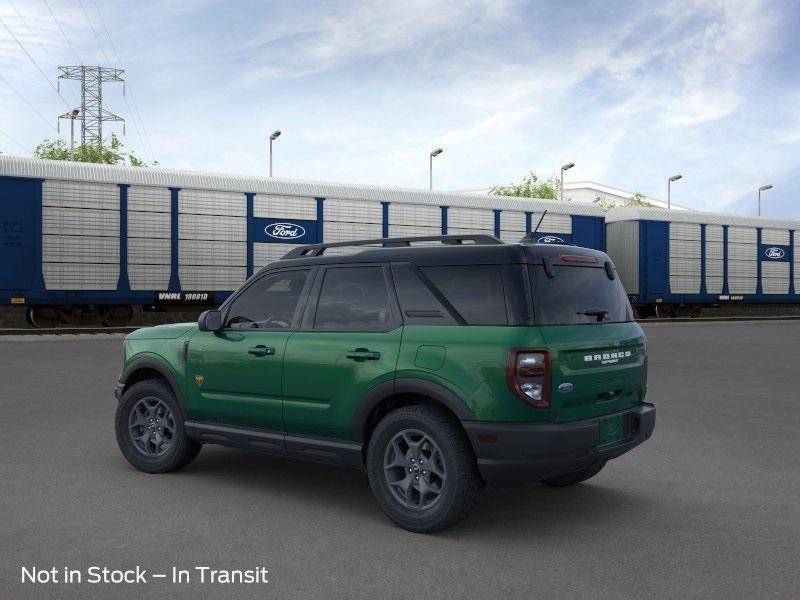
column 269, row 303
column 417, row 303
column 475, row 291
column 353, row 298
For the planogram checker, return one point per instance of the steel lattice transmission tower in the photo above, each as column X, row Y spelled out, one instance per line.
column 92, row 114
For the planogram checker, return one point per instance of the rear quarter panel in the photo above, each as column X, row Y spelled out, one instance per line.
column 470, row 361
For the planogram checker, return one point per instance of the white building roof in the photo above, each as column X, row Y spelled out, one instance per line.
column 634, row 213
column 586, row 191
column 156, row 176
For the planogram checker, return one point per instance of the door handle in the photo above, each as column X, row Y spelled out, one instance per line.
column 261, row 350
column 360, row 354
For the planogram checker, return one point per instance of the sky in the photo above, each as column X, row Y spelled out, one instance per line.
column 632, row 92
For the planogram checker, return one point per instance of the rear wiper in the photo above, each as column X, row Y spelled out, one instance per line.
column 594, row 312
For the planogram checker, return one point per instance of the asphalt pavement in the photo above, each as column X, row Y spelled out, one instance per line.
column 708, row 508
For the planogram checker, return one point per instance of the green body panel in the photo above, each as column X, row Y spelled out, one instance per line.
column 162, row 332
column 310, row 386
column 322, row 388
column 168, row 351
column 228, row 384
column 474, row 366
column 599, row 386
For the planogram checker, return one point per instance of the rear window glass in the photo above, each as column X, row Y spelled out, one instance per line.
column 475, row 291
column 578, row 295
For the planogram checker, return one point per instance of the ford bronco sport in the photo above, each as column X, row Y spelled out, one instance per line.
column 437, row 365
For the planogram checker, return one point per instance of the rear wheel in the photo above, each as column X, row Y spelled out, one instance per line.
column 422, row 470
column 149, row 428
column 575, row 476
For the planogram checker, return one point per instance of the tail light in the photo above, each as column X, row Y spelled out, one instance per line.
column 528, row 376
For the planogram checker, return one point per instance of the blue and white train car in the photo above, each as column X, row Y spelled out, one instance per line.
column 85, row 242
column 674, row 262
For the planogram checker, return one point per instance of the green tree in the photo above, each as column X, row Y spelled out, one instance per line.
column 606, row 203
column 530, row 187
column 638, row 199
column 110, row 154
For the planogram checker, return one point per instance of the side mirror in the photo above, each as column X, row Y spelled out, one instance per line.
column 210, row 320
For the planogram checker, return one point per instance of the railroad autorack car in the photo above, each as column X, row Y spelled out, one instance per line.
column 675, row 262
column 84, row 243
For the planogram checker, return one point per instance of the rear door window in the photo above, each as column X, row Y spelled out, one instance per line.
column 475, row 291
column 578, row 295
column 355, row 299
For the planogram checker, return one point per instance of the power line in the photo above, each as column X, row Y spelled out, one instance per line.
column 28, row 54
column 137, row 116
column 61, row 29
column 96, row 37
column 15, row 141
column 32, row 107
column 33, row 35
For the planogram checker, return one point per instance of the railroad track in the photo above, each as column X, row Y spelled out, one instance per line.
column 720, row 319
column 110, row 330
column 67, row 330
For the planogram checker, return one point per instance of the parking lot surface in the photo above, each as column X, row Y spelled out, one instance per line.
column 708, row 508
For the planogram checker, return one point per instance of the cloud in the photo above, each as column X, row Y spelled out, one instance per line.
column 631, row 91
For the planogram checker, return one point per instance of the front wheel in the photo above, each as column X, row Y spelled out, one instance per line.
column 149, row 428
column 422, row 469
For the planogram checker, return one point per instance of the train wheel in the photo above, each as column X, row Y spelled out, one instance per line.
column 696, row 311
column 45, row 317
column 29, row 317
column 117, row 316
column 664, row 311
column 682, row 310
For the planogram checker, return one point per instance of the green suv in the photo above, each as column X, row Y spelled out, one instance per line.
column 437, row 365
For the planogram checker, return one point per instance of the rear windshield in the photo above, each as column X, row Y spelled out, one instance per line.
column 578, row 295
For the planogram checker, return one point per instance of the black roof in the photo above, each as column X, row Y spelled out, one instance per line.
column 451, row 250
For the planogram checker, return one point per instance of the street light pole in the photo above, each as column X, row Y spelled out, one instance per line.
column 564, row 168
column 435, row 152
column 72, row 116
column 669, row 190
column 763, row 188
column 275, row 135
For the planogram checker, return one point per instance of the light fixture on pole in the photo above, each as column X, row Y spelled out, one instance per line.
column 565, row 167
column 435, row 152
column 72, row 116
column 669, row 189
column 275, row 135
column 763, row 188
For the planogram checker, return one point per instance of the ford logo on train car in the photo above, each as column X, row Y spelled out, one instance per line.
column 550, row 239
column 774, row 253
column 285, row 231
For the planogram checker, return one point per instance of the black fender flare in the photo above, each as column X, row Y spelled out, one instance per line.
column 148, row 362
column 407, row 385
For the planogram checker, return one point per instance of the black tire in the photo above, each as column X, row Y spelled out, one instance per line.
column 166, row 456
column 575, row 476
column 458, row 491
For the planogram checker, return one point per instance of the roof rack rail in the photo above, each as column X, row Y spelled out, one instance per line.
column 398, row 242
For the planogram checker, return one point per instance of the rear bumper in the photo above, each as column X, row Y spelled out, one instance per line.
column 514, row 453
